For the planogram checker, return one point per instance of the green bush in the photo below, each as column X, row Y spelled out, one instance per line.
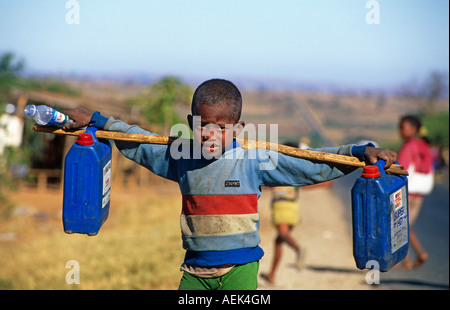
column 436, row 125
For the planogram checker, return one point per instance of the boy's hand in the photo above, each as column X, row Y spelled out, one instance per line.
column 80, row 116
column 372, row 155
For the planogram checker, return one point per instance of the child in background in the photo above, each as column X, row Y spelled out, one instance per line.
column 415, row 156
column 220, row 217
column 285, row 216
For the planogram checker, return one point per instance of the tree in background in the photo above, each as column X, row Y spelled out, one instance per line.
column 435, row 87
column 15, row 161
column 159, row 102
column 435, row 122
column 427, row 93
column 9, row 70
column 11, row 156
column 437, row 128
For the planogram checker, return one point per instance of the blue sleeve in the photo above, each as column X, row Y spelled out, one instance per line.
column 98, row 120
column 154, row 157
column 359, row 150
column 286, row 170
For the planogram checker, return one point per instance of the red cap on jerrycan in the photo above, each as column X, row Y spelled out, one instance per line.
column 371, row 172
column 85, row 139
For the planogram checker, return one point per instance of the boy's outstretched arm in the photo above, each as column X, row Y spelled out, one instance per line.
column 154, row 157
column 372, row 155
column 82, row 117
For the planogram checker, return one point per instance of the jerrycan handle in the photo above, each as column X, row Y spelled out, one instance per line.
column 92, row 130
column 380, row 164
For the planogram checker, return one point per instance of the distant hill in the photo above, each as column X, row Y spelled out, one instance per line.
column 332, row 119
column 327, row 118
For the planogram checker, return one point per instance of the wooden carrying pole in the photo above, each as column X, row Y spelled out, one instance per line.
column 246, row 144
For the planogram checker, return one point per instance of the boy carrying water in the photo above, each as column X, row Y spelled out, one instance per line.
column 220, row 188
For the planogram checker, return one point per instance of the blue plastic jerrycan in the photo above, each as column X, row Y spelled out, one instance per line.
column 87, row 184
column 380, row 218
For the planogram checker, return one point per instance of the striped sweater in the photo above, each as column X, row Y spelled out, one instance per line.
column 219, row 217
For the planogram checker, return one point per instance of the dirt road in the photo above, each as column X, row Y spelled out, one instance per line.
column 325, row 235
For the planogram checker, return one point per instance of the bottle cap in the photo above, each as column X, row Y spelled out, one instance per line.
column 85, row 139
column 371, row 172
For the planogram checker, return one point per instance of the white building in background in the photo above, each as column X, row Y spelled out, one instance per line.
column 11, row 128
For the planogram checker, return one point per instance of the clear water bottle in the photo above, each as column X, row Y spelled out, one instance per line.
column 44, row 115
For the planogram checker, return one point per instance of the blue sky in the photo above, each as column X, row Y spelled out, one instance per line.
column 320, row 41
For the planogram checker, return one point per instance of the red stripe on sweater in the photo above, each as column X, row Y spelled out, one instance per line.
column 219, row 204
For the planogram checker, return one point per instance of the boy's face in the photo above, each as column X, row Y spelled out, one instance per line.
column 407, row 130
column 216, row 130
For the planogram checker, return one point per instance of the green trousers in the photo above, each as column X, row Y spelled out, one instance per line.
column 240, row 277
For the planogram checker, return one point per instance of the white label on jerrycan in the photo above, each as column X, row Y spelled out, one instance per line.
column 399, row 219
column 106, row 183
column 107, row 177
column 106, row 199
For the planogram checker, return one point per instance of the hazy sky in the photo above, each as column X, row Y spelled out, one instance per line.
column 299, row 40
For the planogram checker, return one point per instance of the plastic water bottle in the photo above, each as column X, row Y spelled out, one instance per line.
column 44, row 115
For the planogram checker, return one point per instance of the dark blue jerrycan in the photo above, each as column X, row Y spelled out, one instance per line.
column 380, row 218
column 87, row 184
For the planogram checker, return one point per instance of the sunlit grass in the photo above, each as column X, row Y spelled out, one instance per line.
column 139, row 247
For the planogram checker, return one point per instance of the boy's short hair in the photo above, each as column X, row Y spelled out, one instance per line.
column 413, row 120
column 217, row 92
